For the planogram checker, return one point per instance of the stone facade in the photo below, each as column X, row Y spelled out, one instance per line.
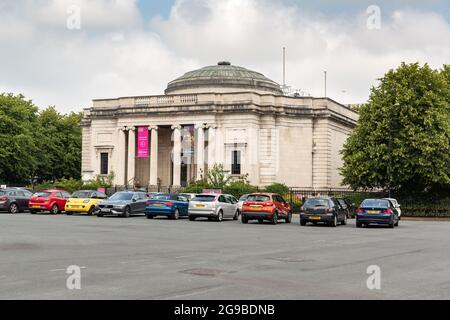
column 270, row 137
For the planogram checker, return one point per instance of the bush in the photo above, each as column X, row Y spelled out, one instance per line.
column 196, row 187
column 72, row 185
column 278, row 188
column 239, row 188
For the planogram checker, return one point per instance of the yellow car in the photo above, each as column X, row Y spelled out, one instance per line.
column 84, row 202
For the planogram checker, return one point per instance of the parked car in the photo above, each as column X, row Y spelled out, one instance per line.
column 377, row 211
column 348, row 206
column 172, row 206
column 241, row 201
column 84, row 201
column 266, row 206
column 53, row 201
column 323, row 210
column 396, row 206
column 189, row 196
column 124, row 204
column 14, row 200
column 214, row 207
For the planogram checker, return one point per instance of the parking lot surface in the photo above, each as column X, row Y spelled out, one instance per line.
column 137, row 258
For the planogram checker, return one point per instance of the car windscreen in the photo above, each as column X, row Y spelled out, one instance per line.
column 206, row 198
column 243, row 198
column 42, row 194
column 81, row 194
column 375, row 203
column 121, row 197
column 315, row 202
column 2, row 192
column 258, row 198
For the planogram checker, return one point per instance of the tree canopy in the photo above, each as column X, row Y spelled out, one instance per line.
column 37, row 145
column 402, row 139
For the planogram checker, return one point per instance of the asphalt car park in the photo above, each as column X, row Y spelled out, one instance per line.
column 137, row 258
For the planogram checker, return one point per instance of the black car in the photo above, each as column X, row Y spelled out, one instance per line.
column 377, row 211
column 123, row 204
column 323, row 210
column 348, row 206
column 14, row 200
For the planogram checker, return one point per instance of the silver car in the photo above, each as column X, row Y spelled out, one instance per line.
column 213, row 207
column 242, row 200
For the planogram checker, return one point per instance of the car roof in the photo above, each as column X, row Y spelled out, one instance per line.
column 52, row 190
column 263, row 194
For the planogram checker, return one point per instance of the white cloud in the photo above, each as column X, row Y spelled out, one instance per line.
column 116, row 53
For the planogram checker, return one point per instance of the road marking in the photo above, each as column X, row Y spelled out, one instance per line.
column 56, row 270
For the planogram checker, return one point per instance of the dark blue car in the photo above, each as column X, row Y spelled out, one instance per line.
column 377, row 211
column 172, row 206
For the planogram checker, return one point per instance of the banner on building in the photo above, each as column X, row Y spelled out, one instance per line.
column 142, row 143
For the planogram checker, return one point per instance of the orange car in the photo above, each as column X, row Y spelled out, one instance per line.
column 266, row 206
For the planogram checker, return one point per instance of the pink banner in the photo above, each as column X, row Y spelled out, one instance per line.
column 142, row 143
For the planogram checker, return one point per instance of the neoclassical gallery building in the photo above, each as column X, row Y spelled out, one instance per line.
column 220, row 114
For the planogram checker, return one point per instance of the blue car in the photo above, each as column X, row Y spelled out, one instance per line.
column 172, row 206
column 377, row 211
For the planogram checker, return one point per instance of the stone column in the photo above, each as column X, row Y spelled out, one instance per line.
column 176, row 156
column 119, row 167
column 154, row 156
column 211, row 146
column 131, row 156
column 200, row 151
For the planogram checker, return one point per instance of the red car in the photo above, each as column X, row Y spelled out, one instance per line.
column 266, row 206
column 48, row 200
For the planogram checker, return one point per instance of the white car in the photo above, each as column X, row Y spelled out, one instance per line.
column 214, row 207
column 241, row 201
column 396, row 205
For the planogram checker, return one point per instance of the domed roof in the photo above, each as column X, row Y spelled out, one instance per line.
column 223, row 76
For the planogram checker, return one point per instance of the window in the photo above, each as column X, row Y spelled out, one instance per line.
column 222, row 199
column 236, row 162
column 104, row 157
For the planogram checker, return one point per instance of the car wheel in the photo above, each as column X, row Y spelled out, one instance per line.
column 359, row 224
column 55, row 209
column 191, row 218
column 334, row 222
column 302, row 222
column 69, row 213
column 220, row 216
column 176, row 215
column 127, row 212
column 13, row 208
column 236, row 215
column 289, row 217
column 91, row 211
column 150, row 216
column 260, row 221
column 275, row 218
column 398, row 221
column 244, row 220
column 392, row 224
column 33, row 211
column 344, row 222
column 100, row 215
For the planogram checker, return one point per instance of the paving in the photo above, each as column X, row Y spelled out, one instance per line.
column 137, row 258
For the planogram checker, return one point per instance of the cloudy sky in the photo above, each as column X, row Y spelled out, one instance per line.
column 135, row 47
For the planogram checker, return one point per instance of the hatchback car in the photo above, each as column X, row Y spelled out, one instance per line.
column 124, row 204
column 168, row 205
column 323, row 210
column 84, row 201
column 14, row 200
column 377, row 211
column 241, row 201
column 266, row 206
column 48, row 200
column 215, row 207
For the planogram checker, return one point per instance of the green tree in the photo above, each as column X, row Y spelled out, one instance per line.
column 18, row 120
column 402, row 139
column 217, row 177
